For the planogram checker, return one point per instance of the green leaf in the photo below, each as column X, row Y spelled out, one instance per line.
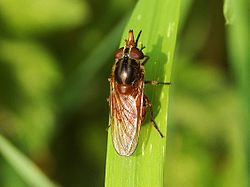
column 23, row 166
column 158, row 21
column 238, row 43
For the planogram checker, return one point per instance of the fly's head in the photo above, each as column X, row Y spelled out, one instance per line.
column 130, row 49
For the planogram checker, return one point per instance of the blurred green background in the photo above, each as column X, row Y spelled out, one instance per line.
column 55, row 58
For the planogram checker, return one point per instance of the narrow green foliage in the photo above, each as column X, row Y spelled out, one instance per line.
column 238, row 37
column 158, row 21
column 31, row 175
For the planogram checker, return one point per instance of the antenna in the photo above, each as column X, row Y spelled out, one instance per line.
column 137, row 38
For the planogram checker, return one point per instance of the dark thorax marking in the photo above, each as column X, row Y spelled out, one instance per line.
column 126, row 71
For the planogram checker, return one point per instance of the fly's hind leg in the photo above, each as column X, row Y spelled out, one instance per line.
column 148, row 104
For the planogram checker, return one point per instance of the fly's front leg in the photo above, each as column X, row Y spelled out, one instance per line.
column 145, row 59
column 142, row 47
column 148, row 104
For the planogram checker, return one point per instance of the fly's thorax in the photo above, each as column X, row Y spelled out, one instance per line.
column 127, row 71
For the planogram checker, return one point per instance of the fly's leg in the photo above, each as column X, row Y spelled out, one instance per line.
column 145, row 59
column 107, row 129
column 107, row 99
column 148, row 104
column 142, row 47
column 157, row 82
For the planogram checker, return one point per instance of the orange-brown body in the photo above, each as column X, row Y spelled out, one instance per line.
column 127, row 100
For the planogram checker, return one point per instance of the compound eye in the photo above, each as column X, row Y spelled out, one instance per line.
column 119, row 53
column 136, row 54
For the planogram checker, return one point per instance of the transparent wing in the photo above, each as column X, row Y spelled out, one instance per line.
column 126, row 118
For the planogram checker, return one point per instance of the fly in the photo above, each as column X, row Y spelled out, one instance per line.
column 127, row 101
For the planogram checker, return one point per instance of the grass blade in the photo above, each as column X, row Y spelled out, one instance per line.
column 237, row 17
column 158, row 21
column 23, row 166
